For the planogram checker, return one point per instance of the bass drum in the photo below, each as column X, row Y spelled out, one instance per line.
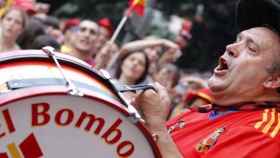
column 40, row 118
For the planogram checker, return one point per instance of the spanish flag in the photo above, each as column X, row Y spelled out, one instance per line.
column 138, row 6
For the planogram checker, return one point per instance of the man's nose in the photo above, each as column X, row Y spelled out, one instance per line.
column 86, row 33
column 233, row 49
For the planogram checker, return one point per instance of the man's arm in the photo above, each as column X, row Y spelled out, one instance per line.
column 146, row 43
column 165, row 143
column 155, row 107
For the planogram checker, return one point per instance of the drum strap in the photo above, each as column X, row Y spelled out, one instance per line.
column 26, row 83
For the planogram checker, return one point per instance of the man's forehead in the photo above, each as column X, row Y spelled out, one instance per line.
column 89, row 23
column 260, row 31
column 261, row 35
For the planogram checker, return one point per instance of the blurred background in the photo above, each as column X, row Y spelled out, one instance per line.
column 176, row 43
column 213, row 23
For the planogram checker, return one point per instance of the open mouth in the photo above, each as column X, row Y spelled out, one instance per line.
column 222, row 65
column 222, row 68
column 84, row 42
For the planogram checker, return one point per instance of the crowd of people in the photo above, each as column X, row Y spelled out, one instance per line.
column 143, row 61
column 238, row 110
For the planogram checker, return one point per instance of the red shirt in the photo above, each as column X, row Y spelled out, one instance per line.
column 239, row 134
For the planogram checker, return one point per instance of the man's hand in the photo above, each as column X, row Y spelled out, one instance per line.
column 155, row 106
column 169, row 44
column 105, row 54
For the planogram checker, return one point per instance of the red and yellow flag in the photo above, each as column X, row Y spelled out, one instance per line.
column 138, row 6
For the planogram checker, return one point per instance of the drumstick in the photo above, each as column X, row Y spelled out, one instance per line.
column 134, row 88
column 134, row 115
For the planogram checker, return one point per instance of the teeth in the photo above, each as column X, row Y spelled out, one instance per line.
column 223, row 65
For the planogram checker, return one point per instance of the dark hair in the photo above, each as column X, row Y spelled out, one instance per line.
column 33, row 29
column 44, row 40
column 51, row 21
column 122, row 59
column 271, row 28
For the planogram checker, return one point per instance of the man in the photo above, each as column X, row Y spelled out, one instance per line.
column 244, row 121
column 84, row 42
column 69, row 29
column 105, row 33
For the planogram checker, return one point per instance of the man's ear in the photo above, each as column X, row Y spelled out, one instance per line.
column 273, row 82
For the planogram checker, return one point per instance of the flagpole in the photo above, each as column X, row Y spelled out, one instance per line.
column 118, row 30
column 122, row 23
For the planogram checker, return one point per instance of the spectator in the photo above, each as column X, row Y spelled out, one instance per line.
column 84, row 42
column 132, row 68
column 186, row 83
column 105, row 33
column 106, row 55
column 193, row 98
column 52, row 27
column 12, row 24
column 69, row 30
column 44, row 40
column 167, row 76
column 153, row 48
column 33, row 29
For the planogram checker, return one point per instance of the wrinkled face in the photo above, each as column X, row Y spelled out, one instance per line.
column 133, row 66
column 243, row 68
column 86, row 36
column 12, row 24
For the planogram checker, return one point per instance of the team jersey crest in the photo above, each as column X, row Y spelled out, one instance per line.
column 210, row 141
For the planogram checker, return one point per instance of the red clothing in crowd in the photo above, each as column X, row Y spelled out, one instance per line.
column 234, row 134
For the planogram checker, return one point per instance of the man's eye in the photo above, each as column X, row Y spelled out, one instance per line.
column 93, row 32
column 252, row 49
column 82, row 29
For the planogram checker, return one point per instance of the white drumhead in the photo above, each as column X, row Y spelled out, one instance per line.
column 65, row 126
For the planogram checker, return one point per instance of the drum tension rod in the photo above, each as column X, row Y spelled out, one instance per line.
column 73, row 90
column 134, row 115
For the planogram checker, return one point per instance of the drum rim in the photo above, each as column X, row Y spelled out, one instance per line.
column 62, row 90
column 39, row 55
